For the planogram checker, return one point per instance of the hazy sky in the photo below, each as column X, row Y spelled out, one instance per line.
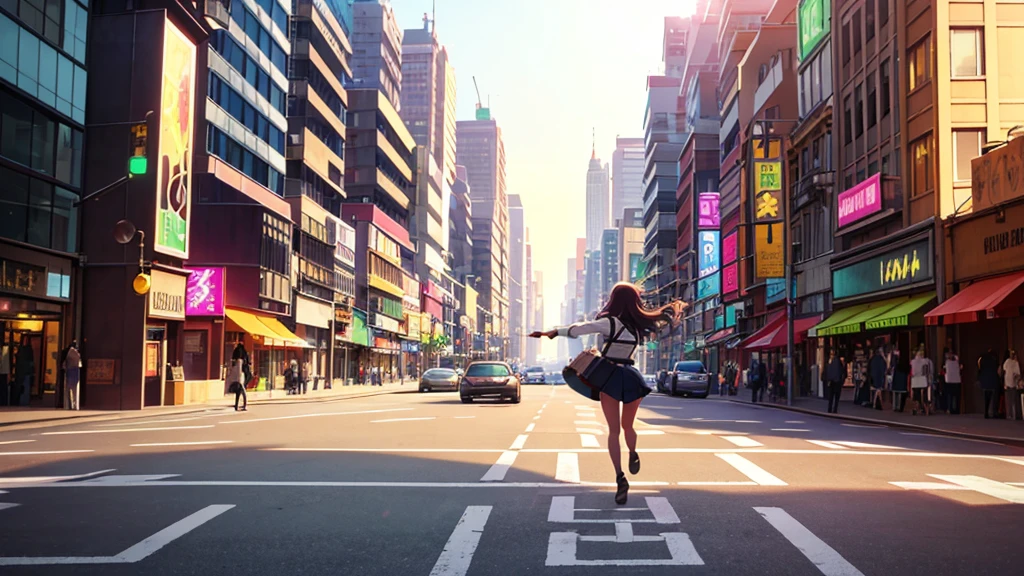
column 553, row 70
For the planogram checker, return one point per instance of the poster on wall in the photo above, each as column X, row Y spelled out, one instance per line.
column 862, row 200
column 767, row 191
column 730, row 278
column 708, row 247
column 174, row 152
column 204, row 292
column 769, row 254
column 708, row 286
column 707, row 207
column 775, row 290
column 729, row 244
column 152, row 359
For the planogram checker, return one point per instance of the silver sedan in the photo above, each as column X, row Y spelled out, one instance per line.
column 439, row 379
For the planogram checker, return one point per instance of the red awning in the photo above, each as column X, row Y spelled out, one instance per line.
column 769, row 326
column 999, row 296
column 719, row 336
column 776, row 336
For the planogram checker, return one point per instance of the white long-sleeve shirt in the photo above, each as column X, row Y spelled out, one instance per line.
column 623, row 346
column 1011, row 373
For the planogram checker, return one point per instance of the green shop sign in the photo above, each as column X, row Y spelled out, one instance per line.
column 814, row 22
column 905, row 266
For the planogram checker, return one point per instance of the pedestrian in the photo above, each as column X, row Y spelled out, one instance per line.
column 754, row 379
column 240, row 353
column 72, row 365
column 920, row 377
column 835, row 376
column 900, row 380
column 24, row 374
column 877, row 368
column 236, row 384
column 988, row 378
column 952, row 369
column 291, row 377
column 1012, row 382
column 623, row 323
column 778, row 381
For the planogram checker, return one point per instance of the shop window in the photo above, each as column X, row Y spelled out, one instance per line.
column 919, row 64
column 966, row 147
column 966, row 56
column 921, row 175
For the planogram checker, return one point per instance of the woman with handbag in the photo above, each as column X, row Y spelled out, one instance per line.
column 236, row 384
column 611, row 377
column 920, row 380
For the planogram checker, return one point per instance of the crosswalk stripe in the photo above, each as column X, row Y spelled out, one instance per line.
column 497, row 471
column 458, row 551
column 742, row 441
column 985, row 486
column 589, row 441
column 825, row 444
column 823, row 556
column 567, row 468
column 865, row 445
column 751, row 470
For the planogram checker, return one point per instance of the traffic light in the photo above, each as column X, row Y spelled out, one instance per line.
column 137, row 162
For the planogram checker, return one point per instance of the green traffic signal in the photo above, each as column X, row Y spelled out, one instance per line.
column 137, row 165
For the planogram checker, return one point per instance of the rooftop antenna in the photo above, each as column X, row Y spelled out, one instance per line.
column 593, row 144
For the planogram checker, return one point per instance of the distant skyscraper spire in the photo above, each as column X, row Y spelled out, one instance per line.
column 593, row 145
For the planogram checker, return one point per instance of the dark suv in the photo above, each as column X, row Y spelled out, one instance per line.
column 690, row 378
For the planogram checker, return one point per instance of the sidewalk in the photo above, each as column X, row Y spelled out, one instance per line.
column 18, row 415
column 973, row 426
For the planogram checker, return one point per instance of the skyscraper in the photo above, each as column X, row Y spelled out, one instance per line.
column 597, row 201
column 517, row 276
column 627, row 176
column 428, row 96
column 377, row 49
column 482, row 151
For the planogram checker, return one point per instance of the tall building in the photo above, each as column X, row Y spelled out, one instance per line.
column 609, row 261
column 460, row 227
column 428, row 96
column 42, row 122
column 536, row 319
column 377, row 49
column 598, row 201
column 529, row 348
column 517, row 277
column 379, row 154
column 627, row 176
column 631, row 246
column 482, row 151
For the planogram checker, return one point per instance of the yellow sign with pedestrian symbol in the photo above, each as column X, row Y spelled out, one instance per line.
column 767, row 206
column 767, row 191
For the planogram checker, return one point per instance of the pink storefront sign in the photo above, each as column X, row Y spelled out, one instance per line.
column 862, row 200
column 708, row 210
column 204, row 292
column 730, row 279
column 729, row 248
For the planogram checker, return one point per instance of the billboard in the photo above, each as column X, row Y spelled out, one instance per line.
column 767, row 191
column 634, row 267
column 893, row 269
column 769, row 254
column 708, row 286
column 814, row 22
column 775, row 290
column 204, row 292
column 708, row 246
column 729, row 245
column 174, row 144
column 862, row 200
column 707, row 208
column 730, row 278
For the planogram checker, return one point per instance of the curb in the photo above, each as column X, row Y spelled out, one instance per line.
column 1017, row 442
column 186, row 410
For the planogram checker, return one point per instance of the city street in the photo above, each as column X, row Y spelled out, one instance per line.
column 422, row 484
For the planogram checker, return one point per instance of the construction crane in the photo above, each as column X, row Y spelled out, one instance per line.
column 481, row 112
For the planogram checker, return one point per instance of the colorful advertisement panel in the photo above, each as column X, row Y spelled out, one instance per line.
column 708, row 286
column 862, row 200
column 767, row 191
column 174, row 148
column 708, row 245
column 814, row 21
column 634, row 266
column 775, row 290
column 729, row 246
column 204, row 292
column 769, row 254
column 730, row 278
column 893, row 269
column 707, row 209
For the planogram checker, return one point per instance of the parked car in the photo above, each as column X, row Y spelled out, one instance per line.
column 690, row 378
column 490, row 379
column 534, row 375
column 554, row 378
column 439, row 379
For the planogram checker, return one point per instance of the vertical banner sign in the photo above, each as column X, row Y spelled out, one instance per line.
column 769, row 251
column 708, row 210
column 767, row 191
column 729, row 248
column 730, row 280
column 174, row 155
column 708, row 251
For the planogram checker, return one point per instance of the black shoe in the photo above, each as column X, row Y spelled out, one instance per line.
column 634, row 463
column 622, row 493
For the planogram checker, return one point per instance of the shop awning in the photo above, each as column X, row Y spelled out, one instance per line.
column 999, row 296
column 837, row 317
column 777, row 336
column 269, row 329
column 908, row 312
column 852, row 324
column 769, row 326
column 719, row 336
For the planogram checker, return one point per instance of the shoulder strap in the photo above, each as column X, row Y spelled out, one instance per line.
column 612, row 335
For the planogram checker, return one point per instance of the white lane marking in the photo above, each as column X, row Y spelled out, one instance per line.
column 16, row 442
column 742, row 441
column 567, row 468
column 862, row 426
column 44, row 452
column 623, row 532
column 650, row 432
column 823, row 556
column 794, row 421
column 536, row 417
column 136, row 553
column 790, row 430
column 825, row 444
column 26, row 480
column 315, row 415
column 458, row 552
column 562, row 550
column 581, row 406
column 497, row 471
column 160, row 429
column 927, row 486
column 162, row 421
column 589, row 441
column 401, row 420
column 6, row 505
column 942, row 437
column 985, row 486
column 736, row 483
column 519, row 442
column 749, row 421
column 751, row 470
column 530, row 427
column 152, row 482
column 205, row 443
column 1012, row 461
column 386, row 450
column 662, row 510
column 864, row 445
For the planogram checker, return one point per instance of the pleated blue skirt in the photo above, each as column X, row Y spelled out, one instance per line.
column 626, row 384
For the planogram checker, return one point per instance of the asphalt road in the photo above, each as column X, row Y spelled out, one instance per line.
column 421, row 484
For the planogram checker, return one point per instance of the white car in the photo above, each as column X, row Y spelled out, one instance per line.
column 534, row 375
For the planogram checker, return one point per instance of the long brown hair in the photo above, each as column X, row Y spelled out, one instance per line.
column 625, row 304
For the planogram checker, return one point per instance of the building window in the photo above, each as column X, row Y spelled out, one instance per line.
column 75, row 25
column 859, row 103
column 966, row 147
column 855, row 29
column 846, row 43
column 883, row 72
column 919, row 64
column 869, row 19
column 847, row 121
column 36, row 212
column 921, row 156
column 966, row 58
column 872, row 102
column 883, row 12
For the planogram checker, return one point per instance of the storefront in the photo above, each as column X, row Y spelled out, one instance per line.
column 35, row 316
column 270, row 344
column 202, row 359
column 986, row 271
column 881, row 292
column 313, row 325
